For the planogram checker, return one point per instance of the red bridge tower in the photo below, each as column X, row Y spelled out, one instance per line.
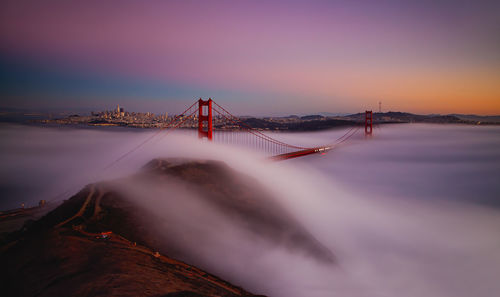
column 368, row 122
column 205, row 119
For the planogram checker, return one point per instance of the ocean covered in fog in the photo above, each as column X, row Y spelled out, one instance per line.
column 417, row 161
column 413, row 210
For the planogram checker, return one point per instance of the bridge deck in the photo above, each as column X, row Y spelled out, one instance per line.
column 301, row 153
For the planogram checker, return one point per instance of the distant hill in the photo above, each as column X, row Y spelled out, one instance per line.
column 312, row 117
column 321, row 122
column 404, row 117
column 308, row 123
column 493, row 119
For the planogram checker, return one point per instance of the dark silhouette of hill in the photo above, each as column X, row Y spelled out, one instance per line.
column 307, row 123
column 100, row 243
column 405, row 117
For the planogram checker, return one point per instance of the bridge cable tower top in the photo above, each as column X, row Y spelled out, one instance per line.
column 205, row 123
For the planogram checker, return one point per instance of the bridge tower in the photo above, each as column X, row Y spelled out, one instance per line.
column 205, row 119
column 368, row 122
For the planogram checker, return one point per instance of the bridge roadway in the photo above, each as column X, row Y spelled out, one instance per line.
column 301, row 153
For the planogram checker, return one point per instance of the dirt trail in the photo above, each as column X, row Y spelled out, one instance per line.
column 97, row 208
column 82, row 209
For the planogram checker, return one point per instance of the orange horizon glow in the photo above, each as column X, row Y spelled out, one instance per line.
column 274, row 57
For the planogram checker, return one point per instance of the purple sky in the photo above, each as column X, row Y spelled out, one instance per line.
column 255, row 57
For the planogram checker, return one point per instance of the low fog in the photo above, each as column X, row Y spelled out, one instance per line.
column 411, row 211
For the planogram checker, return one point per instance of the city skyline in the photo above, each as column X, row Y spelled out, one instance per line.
column 259, row 58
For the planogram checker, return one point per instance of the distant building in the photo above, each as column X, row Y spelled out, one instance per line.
column 120, row 112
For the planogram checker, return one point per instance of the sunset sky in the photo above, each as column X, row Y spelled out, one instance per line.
column 254, row 57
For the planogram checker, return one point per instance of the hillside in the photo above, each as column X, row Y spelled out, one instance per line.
column 101, row 243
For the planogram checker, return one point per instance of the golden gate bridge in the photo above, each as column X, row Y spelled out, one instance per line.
column 204, row 111
column 231, row 129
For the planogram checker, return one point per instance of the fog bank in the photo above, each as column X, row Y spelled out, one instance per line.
column 411, row 211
